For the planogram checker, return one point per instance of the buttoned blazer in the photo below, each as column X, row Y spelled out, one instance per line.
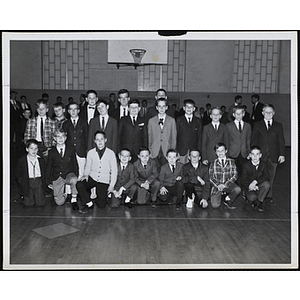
column 83, row 112
column 141, row 174
column 270, row 141
column 111, row 131
column 77, row 136
column 210, row 137
column 49, row 128
column 167, row 177
column 250, row 173
column 58, row 166
column 125, row 177
column 132, row 136
column 189, row 135
column 239, row 142
column 22, row 175
column 164, row 138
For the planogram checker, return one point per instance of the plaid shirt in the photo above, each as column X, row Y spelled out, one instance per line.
column 222, row 175
column 49, row 128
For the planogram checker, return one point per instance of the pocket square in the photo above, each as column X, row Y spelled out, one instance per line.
column 141, row 124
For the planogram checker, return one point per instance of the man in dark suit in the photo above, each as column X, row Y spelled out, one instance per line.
column 105, row 123
column 189, row 131
column 268, row 135
column 213, row 133
column 133, row 130
column 206, row 115
column 15, row 117
column 257, row 108
column 122, row 110
column 237, row 102
column 239, row 135
column 77, row 134
column 24, row 104
column 89, row 110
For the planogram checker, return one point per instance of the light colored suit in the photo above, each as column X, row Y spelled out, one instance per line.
column 164, row 138
column 239, row 142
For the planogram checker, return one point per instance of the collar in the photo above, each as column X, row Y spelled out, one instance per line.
column 76, row 119
column 188, row 117
column 254, row 164
column 195, row 166
column 163, row 117
column 237, row 122
column 215, row 123
column 61, row 147
column 43, row 117
column 123, row 165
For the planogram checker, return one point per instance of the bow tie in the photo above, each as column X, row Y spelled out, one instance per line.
column 161, row 121
column 91, row 107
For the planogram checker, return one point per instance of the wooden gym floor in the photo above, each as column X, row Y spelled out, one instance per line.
column 56, row 235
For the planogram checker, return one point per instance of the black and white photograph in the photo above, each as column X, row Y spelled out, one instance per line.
column 145, row 150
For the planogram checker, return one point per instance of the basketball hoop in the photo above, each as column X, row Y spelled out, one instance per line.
column 137, row 55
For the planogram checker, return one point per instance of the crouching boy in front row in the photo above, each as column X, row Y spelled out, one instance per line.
column 255, row 179
column 100, row 172
column 223, row 174
column 62, row 170
column 170, row 178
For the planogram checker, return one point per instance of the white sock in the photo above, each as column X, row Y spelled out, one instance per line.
column 127, row 200
column 89, row 204
column 74, row 198
column 67, row 189
column 227, row 198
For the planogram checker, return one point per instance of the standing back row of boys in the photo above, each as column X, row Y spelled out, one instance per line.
column 154, row 141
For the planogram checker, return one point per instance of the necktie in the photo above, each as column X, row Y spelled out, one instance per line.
column 189, row 120
column 173, row 168
column 74, row 122
column 133, row 120
column 145, row 167
column 124, row 112
column 216, row 128
column 103, row 123
column 33, row 165
column 223, row 163
column 42, row 130
column 269, row 125
column 61, row 152
column 240, row 127
column 123, row 168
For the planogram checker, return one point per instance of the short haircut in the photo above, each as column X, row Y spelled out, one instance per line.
column 172, row 150
column 13, row 92
column 161, row 90
column 30, row 142
column 23, row 97
column 123, row 91
column 83, row 95
column 255, row 148
column 134, row 101
column 269, row 105
column 144, row 149
column 237, row 108
column 256, row 96
column 45, row 95
column 195, row 150
column 161, row 99
column 189, row 101
column 237, row 97
column 91, row 92
column 41, row 101
column 208, row 104
column 99, row 132
column 111, row 94
column 73, row 103
column 58, row 104
column 58, row 132
column 216, row 107
column 101, row 101
column 218, row 145
column 223, row 106
column 125, row 149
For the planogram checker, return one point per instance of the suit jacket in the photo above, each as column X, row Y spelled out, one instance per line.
column 111, row 131
column 239, row 142
column 58, row 166
column 77, row 137
column 132, row 136
column 141, row 174
column 189, row 135
column 83, row 112
column 257, row 115
column 210, row 137
column 23, row 177
column 250, row 173
column 27, row 105
column 49, row 128
column 271, row 141
column 206, row 118
column 161, row 138
column 116, row 114
column 125, row 177
column 167, row 177
column 190, row 174
column 15, row 118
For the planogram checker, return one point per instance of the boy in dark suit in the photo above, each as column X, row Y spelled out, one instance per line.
column 196, row 180
column 189, row 131
column 213, row 133
column 89, row 110
column 257, row 109
column 133, row 130
column 223, row 174
column 123, row 188
column 268, row 135
column 30, row 174
column 122, row 110
column 62, row 169
column 145, row 176
column 255, row 179
column 170, row 178
column 77, row 135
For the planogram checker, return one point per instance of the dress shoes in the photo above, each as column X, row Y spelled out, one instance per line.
column 75, row 206
column 86, row 209
column 270, row 199
column 68, row 198
column 229, row 205
column 129, row 205
column 154, row 204
column 19, row 200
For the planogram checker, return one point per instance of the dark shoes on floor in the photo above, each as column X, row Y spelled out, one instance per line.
column 258, row 205
column 19, row 200
column 86, row 209
column 229, row 205
column 75, row 206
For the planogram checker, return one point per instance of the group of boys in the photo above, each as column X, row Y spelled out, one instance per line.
column 160, row 158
